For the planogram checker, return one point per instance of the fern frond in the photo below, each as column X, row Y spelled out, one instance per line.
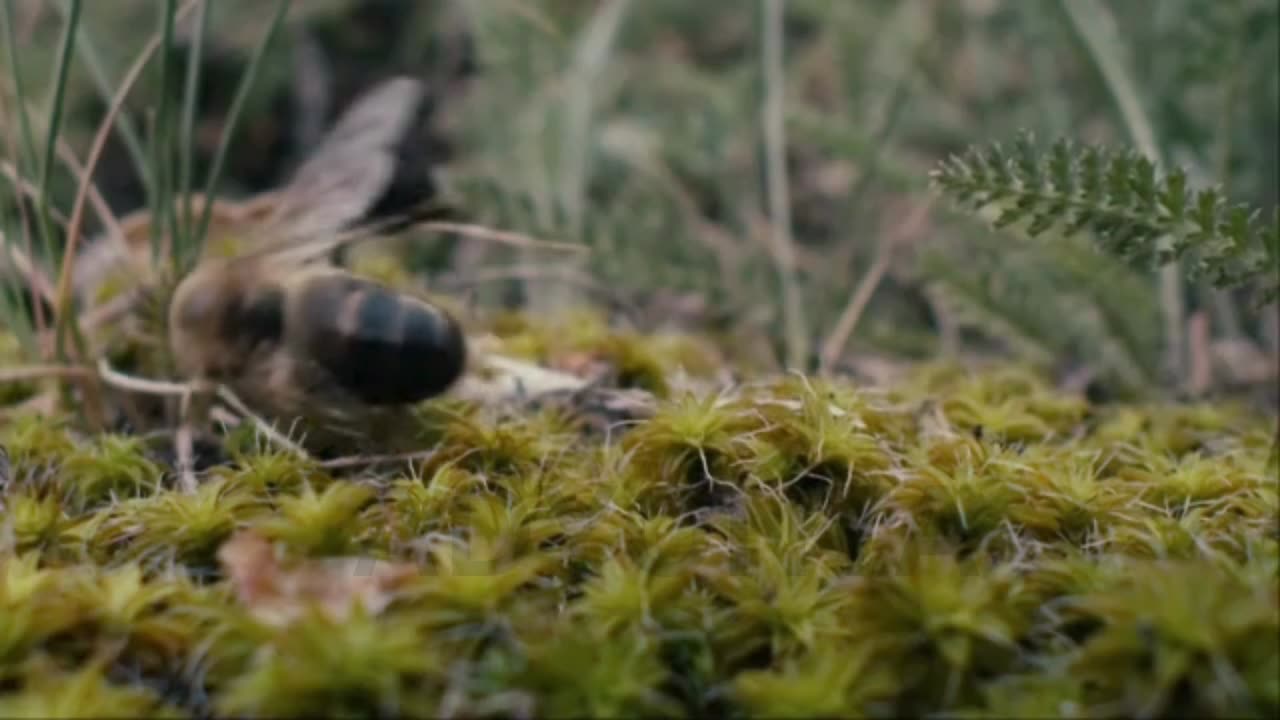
column 1134, row 212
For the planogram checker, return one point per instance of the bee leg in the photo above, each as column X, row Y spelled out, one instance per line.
column 192, row 410
column 262, row 425
column 185, row 448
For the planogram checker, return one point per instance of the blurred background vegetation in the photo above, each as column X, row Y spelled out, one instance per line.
column 757, row 171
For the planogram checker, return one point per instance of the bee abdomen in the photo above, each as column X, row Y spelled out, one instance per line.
column 381, row 346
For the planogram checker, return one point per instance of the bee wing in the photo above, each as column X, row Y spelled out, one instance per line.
column 354, row 163
column 288, row 247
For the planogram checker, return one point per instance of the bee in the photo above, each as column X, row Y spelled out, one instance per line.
column 296, row 338
column 266, row 313
column 352, row 173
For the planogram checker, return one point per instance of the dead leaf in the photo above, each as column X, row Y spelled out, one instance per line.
column 579, row 363
column 277, row 593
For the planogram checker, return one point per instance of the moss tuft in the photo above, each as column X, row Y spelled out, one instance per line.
column 965, row 543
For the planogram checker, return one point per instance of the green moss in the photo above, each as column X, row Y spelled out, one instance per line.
column 318, row 522
column 946, row 623
column 82, row 694
column 33, row 607
column 1186, row 637
column 36, row 445
column 172, row 526
column 850, row 682
column 113, row 467
column 319, row 667
column 973, row 544
column 581, row 672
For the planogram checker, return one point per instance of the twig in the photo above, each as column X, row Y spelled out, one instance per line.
column 140, row 385
column 1200, row 371
column 92, row 400
column 27, row 188
column 34, row 276
column 480, row 276
column 23, row 373
column 848, row 321
column 162, row 387
column 779, row 193
column 184, row 441
column 184, row 447
column 100, row 208
column 186, row 391
column 505, row 237
column 25, row 267
column 359, row 460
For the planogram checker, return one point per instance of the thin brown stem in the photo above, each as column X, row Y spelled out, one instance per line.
column 95, row 154
column 31, row 277
column 140, row 385
column 100, row 207
column 26, row 187
column 184, row 442
column 835, row 344
column 364, row 460
column 1200, row 369
column 37, row 281
column 25, row 373
column 506, row 237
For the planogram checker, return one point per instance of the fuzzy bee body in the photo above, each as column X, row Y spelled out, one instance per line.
column 267, row 314
column 336, row 351
column 344, row 179
column 381, row 346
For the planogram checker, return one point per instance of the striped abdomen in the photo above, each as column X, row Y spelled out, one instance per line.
column 381, row 346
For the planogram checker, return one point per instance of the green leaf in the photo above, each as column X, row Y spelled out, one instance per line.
column 1132, row 211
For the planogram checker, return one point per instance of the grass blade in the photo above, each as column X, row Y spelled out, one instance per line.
column 82, row 193
column 51, row 134
column 88, row 52
column 1088, row 20
column 28, row 165
column 187, row 137
column 12, row 314
column 233, row 121
column 19, row 88
column 162, row 222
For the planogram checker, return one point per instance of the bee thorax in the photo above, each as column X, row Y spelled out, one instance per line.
column 216, row 325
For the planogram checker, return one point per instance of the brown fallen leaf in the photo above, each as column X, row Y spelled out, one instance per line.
column 582, row 364
column 278, row 593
